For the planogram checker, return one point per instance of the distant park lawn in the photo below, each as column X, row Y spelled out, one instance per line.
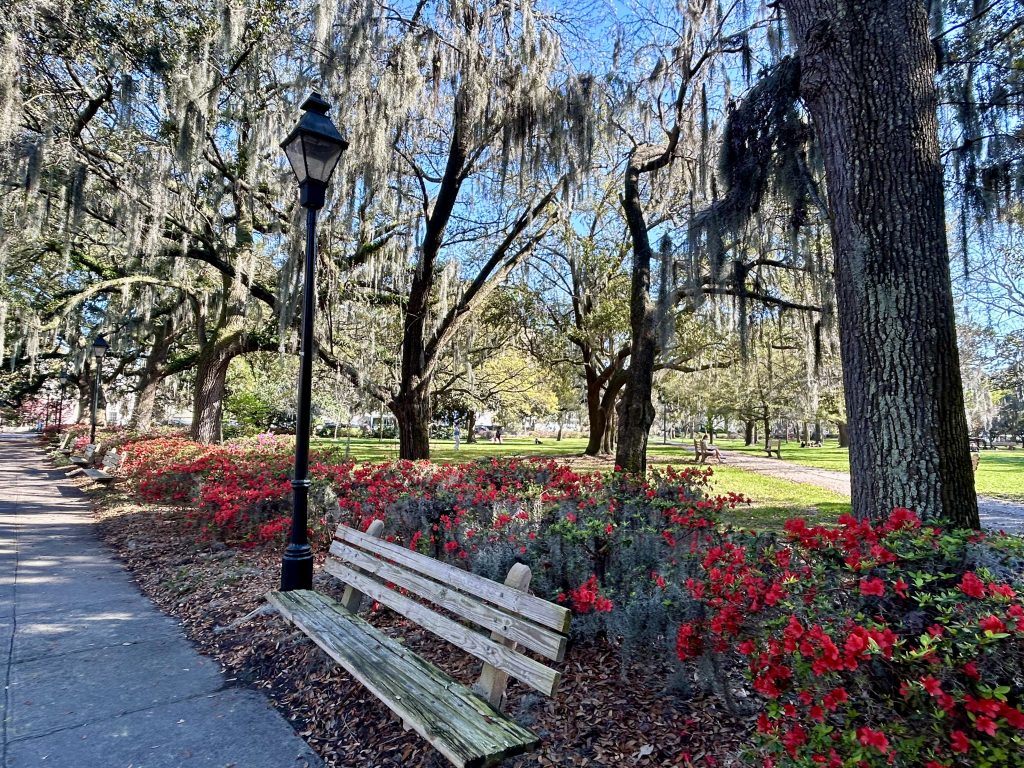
column 1000, row 473
column 773, row 500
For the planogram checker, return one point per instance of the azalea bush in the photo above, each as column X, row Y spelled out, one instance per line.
column 861, row 645
column 612, row 548
column 887, row 644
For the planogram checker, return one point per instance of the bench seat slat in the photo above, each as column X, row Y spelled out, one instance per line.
column 534, row 608
column 528, row 634
column 457, row 722
column 98, row 475
column 525, row 669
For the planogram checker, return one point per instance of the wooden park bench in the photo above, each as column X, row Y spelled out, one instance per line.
column 111, row 461
column 774, row 447
column 64, row 444
column 1010, row 444
column 84, row 459
column 702, row 453
column 465, row 725
column 699, row 453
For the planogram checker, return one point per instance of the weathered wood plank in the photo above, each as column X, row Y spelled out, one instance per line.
column 98, row 475
column 528, row 634
column 493, row 681
column 459, row 724
column 529, row 671
column 353, row 598
column 541, row 611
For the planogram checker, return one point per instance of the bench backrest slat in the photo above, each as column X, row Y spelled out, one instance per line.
column 527, row 670
column 111, row 459
column 534, row 608
column 537, row 638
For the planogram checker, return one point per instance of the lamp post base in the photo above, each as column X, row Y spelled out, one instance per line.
column 297, row 568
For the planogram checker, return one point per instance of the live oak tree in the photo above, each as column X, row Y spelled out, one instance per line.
column 867, row 79
column 581, row 308
column 480, row 129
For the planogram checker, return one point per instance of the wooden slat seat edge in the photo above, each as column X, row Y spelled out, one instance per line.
column 536, row 637
column 531, row 672
column 536, row 609
column 458, row 723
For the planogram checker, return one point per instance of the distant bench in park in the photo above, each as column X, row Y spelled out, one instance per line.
column 83, row 464
column 702, row 453
column 773, row 447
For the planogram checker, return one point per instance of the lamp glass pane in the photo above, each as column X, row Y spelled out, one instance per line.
column 296, row 157
column 321, row 157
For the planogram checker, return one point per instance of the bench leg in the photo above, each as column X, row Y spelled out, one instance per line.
column 353, row 598
column 492, row 682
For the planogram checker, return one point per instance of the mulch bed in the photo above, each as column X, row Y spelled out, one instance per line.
column 600, row 716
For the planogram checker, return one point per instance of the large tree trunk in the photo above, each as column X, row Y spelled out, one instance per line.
column 749, row 432
column 208, row 401
column 85, row 395
column 145, row 405
column 636, row 411
column 602, row 414
column 867, row 77
column 152, row 375
column 412, row 411
column 596, row 415
column 844, row 434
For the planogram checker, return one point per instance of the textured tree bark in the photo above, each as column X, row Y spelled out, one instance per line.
column 867, row 77
column 636, row 411
column 596, row 416
column 601, row 408
column 844, row 435
column 412, row 411
column 208, row 401
column 152, row 375
column 749, row 432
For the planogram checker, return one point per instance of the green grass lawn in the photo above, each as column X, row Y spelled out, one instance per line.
column 773, row 500
column 1000, row 473
column 372, row 449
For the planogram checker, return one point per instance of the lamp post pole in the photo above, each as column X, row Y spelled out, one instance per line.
column 313, row 148
column 297, row 565
column 99, row 349
column 95, row 400
column 60, row 413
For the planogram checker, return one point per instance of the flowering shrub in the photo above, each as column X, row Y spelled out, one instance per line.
column 612, row 547
column 862, row 645
column 871, row 645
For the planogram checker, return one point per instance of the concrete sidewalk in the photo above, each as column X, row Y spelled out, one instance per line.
column 95, row 675
column 996, row 514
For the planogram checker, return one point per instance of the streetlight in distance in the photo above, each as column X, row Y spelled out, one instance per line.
column 313, row 148
column 63, row 379
column 99, row 349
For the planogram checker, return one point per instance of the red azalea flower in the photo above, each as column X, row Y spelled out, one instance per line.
column 992, row 624
column 872, row 587
column 931, row 685
column 958, row 741
column 869, row 737
column 972, row 586
column 986, row 725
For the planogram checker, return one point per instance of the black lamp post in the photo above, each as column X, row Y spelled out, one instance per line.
column 99, row 349
column 313, row 148
column 63, row 379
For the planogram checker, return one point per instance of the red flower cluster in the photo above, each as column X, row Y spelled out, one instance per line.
column 586, row 598
column 834, row 610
